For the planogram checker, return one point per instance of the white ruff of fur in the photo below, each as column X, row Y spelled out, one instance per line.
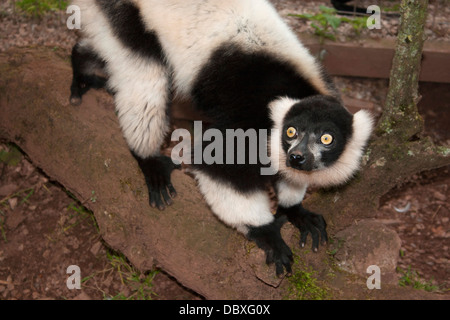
column 346, row 165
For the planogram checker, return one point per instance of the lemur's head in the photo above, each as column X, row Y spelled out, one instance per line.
column 321, row 143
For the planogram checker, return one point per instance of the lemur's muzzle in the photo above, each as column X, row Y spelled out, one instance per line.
column 296, row 159
column 299, row 157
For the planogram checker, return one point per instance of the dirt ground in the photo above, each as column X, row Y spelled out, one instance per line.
column 44, row 230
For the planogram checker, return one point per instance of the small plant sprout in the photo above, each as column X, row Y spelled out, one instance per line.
column 327, row 22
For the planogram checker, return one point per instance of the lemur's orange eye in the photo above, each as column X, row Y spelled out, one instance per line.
column 326, row 139
column 291, row 132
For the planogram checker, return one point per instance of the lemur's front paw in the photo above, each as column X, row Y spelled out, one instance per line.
column 157, row 172
column 268, row 238
column 281, row 255
column 308, row 223
column 314, row 224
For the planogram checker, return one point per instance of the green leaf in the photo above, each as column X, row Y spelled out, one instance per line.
column 326, row 9
column 333, row 21
column 330, row 36
column 11, row 157
column 315, row 26
column 302, row 16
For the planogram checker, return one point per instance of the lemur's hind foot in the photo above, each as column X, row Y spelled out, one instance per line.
column 85, row 65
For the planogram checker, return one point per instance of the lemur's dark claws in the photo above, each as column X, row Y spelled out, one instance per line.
column 75, row 100
column 268, row 238
column 308, row 223
column 157, row 172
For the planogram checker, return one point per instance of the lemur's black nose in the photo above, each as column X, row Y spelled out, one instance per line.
column 297, row 159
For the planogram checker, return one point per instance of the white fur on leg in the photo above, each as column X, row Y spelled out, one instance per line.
column 141, row 105
column 236, row 209
column 290, row 194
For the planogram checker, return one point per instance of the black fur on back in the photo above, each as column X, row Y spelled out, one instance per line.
column 129, row 28
column 234, row 90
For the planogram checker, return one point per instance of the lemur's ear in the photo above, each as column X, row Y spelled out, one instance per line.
column 278, row 109
column 363, row 123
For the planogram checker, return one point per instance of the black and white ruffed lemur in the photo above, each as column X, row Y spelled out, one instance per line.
column 243, row 68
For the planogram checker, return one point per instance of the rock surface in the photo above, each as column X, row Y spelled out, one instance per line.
column 367, row 243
